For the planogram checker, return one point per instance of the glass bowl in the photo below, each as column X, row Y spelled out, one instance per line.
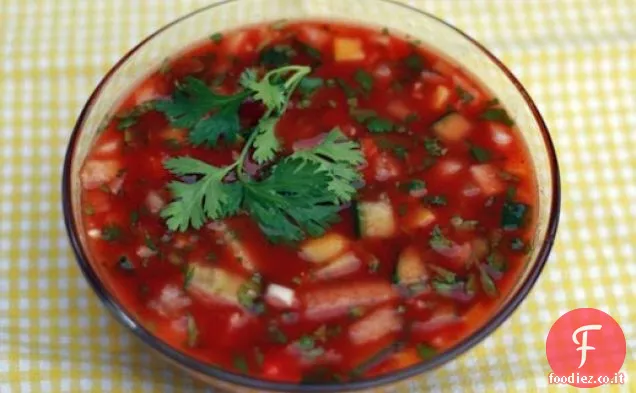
column 434, row 33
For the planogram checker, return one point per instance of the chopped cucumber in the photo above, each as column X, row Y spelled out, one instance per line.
column 376, row 219
column 324, row 249
column 452, row 127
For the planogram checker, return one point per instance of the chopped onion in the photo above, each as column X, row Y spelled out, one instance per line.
column 145, row 252
column 94, row 233
column 499, row 135
column 154, row 202
column 280, row 296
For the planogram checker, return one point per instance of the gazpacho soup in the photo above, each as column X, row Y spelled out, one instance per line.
column 309, row 201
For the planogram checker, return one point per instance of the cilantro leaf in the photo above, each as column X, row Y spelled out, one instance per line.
column 225, row 123
column 364, row 79
column 434, row 147
column 309, row 84
column 339, row 157
column 265, row 143
column 292, row 201
column 480, row 154
column 277, row 56
column 190, row 105
column 379, row 124
column 207, row 198
column 271, row 94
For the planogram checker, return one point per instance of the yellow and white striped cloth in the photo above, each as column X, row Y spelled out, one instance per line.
column 577, row 59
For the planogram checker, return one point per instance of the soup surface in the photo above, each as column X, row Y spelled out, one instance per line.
column 309, row 201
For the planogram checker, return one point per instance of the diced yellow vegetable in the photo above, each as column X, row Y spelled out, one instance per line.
column 410, row 267
column 339, row 267
column 325, row 248
column 376, row 219
column 348, row 49
column 420, row 218
column 452, row 127
column 215, row 284
column 440, row 97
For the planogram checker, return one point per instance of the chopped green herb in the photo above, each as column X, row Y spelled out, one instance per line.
column 259, row 357
column 425, row 351
column 507, row 176
column 330, row 82
column 349, row 91
column 471, row 285
column 492, row 102
column 211, row 257
column 411, row 117
column 188, row 274
column 216, row 37
column 434, row 147
column 379, row 125
column 127, row 122
column 173, row 144
column 498, row 115
column 444, row 275
column 193, row 331
column 480, row 154
column 516, row 244
column 497, row 261
column 89, row 210
column 149, row 242
column 306, row 342
column 402, row 209
column 513, row 215
column 240, row 363
column 414, row 62
column 297, row 280
column 435, row 200
column 111, row 232
column 438, row 240
column 443, row 288
column 277, row 56
column 248, row 292
column 276, row 335
column 356, row 312
column 374, row 265
column 311, row 52
column 385, row 31
column 462, row 224
column 400, row 152
column 308, row 85
column 125, row 264
column 364, row 79
column 362, row 115
column 487, row 283
column 352, row 102
column 413, row 186
column 465, row 96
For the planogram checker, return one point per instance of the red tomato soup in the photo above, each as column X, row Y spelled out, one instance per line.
column 309, row 201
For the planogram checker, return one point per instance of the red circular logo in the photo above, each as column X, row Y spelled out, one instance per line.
column 587, row 347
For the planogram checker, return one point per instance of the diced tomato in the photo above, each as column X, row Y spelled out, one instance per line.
column 281, row 366
column 369, row 147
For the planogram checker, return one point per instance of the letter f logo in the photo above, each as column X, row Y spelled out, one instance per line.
column 584, row 347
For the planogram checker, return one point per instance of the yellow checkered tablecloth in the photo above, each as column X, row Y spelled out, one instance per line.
column 577, row 59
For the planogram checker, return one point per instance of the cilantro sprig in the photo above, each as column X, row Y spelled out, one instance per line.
column 296, row 196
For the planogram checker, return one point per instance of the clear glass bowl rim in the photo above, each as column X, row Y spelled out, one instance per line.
column 190, row 363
